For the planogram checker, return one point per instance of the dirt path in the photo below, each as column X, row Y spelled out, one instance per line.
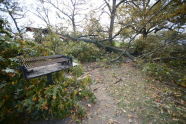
column 106, row 110
column 124, row 95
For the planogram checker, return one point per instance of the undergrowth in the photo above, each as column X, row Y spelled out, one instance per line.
column 163, row 57
column 163, row 73
column 23, row 100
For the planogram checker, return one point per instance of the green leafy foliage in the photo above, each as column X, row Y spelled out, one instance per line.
column 31, row 49
column 55, row 101
column 160, row 72
column 84, row 52
column 146, row 16
column 9, row 49
column 77, row 71
column 53, row 42
column 142, row 46
column 23, row 100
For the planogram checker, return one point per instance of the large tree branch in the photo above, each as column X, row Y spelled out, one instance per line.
column 99, row 44
column 118, row 4
column 154, row 4
column 134, row 5
column 126, row 50
column 108, row 5
column 14, row 20
column 56, row 7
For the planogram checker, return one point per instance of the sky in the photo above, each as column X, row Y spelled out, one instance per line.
column 31, row 5
column 32, row 20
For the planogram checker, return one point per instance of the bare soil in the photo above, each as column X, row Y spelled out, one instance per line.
column 106, row 110
column 125, row 95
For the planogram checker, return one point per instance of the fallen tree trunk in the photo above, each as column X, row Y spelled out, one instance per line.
column 169, row 59
column 100, row 45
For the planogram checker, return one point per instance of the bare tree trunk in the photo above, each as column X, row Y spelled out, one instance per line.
column 16, row 25
column 15, row 22
column 73, row 24
column 112, row 9
column 112, row 18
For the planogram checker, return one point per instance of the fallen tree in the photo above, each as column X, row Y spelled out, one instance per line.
column 99, row 44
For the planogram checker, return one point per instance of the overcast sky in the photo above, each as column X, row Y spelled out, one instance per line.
column 32, row 20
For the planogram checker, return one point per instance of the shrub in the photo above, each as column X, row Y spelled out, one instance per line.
column 32, row 49
column 59, row 100
column 22, row 99
column 164, row 57
column 77, row 70
column 160, row 72
column 9, row 76
column 161, row 45
column 142, row 46
column 163, row 73
column 53, row 42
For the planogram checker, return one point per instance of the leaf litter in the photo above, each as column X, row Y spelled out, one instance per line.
column 123, row 91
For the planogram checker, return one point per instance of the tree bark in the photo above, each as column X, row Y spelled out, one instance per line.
column 15, row 22
column 112, row 9
column 73, row 25
column 112, row 19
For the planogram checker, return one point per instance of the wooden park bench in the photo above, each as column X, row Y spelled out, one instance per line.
column 45, row 65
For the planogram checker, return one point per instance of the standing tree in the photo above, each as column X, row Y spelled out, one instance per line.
column 145, row 17
column 43, row 13
column 69, row 9
column 112, row 10
column 12, row 8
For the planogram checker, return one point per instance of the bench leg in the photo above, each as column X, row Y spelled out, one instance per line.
column 49, row 79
